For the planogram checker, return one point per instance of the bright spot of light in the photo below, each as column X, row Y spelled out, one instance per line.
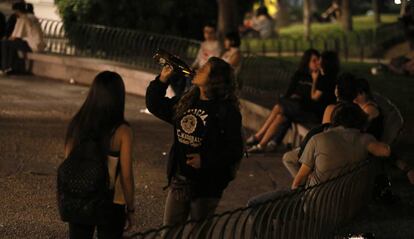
column 397, row 1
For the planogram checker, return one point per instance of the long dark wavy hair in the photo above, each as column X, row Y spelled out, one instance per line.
column 330, row 63
column 221, row 86
column 303, row 66
column 102, row 110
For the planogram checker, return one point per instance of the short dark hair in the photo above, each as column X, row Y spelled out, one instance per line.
column 330, row 63
column 234, row 39
column 211, row 24
column 19, row 6
column 347, row 87
column 362, row 86
column 349, row 115
column 262, row 11
column 29, row 8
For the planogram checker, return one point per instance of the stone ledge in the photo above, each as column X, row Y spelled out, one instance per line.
column 83, row 71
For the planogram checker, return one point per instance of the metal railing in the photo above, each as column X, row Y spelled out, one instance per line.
column 315, row 212
column 134, row 48
column 263, row 79
column 362, row 44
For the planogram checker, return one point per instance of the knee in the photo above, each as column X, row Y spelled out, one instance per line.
column 291, row 157
column 281, row 118
column 277, row 108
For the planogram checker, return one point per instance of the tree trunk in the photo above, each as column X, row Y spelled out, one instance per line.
column 282, row 16
column 346, row 15
column 403, row 6
column 227, row 17
column 377, row 13
column 306, row 19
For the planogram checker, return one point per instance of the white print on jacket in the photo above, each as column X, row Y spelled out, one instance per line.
column 189, row 134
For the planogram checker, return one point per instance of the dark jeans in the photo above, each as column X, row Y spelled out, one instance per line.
column 180, row 204
column 10, row 59
column 113, row 230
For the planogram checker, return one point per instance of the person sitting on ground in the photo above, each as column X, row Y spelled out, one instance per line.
column 263, row 23
column 327, row 154
column 209, row 47
column 333, row 13
column 310, row 91
column 232, row 54
column 27, row 36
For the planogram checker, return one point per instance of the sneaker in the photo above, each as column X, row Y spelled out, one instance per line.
column 252, row 140
column 257, row 148
column 6, row 71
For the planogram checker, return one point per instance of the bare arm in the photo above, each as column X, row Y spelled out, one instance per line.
column 234, row 60
column 68, row 147
column 315, row 93
column 327, row 114
column 308, row 161
column 379, row 149
column 127, row 175
column 371, row 111
column 302, row 175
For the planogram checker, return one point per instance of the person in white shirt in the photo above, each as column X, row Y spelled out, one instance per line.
column 263, row 23
column 209, row 47
column 232, row 55
column 26, row 37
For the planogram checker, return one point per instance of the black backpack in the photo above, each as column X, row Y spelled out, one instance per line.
column 83, row 192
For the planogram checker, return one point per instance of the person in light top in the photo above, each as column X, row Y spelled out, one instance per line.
column 209, row 47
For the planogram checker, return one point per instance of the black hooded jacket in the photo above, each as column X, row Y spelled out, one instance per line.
column 222, row 145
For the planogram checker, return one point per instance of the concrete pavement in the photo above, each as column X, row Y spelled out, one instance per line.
column 34, row 113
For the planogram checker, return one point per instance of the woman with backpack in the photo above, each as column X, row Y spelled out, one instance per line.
column 208, row 144
column 96, row 182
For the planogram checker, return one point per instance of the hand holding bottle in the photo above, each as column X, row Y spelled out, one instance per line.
column 166, row 72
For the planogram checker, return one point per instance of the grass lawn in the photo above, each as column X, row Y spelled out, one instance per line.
column 361, row 23
column 331, row 36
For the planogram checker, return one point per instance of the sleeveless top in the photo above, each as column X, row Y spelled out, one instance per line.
column 376, row 125
column 114, row 171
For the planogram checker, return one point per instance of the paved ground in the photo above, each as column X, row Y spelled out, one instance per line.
column 33, row 117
